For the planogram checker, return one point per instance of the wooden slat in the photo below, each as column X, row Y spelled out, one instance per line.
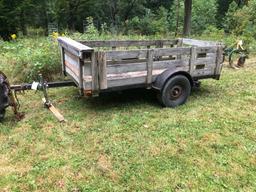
column 126, row 54
column 192, row 60
column 132, row 67
column 62, row 52
column 131, row 75
column 127, row 43
column 142, row 53
column 73, row 68
column 203, row 72
column 206, row 60
column 102, row 63
column 81, row 86
column 95, row 74
column 211, row 49
column 72, row 60
column 179, row 44
column 172, row 51
column 200, row 43
column 72, row 75
column 219, row 60
column 150, row 57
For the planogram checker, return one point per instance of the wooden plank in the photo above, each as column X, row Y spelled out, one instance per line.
column 72, row 68
column 110, row 55
column 87, row 69
column 102, row 63
column 172, row 51
column 219, row 60
column 211, row 49
column 72, row 62
column 62, row 53
column 150, row 58
column 142, row 53
column 81, row 86
column 127, row 43
column 206, row 60
column 95, row 74
column 200, row 43
column 54, row 110
column 203, row 72
column 73, row 47
column 129, row 78
column 72, row 75
column 193, row 55
column 179, row 44
column 72, row 56
column 132, row 67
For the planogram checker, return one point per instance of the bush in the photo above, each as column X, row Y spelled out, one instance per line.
column 26, row 58
column 150, row 24
column 204, row 13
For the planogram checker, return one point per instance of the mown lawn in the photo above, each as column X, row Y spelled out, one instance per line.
column 127, row 142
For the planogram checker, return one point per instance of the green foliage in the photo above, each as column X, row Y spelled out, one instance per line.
column 27, row 59
column 204, row 15
column 150, row 24
column 91, row 31
column 241, row 21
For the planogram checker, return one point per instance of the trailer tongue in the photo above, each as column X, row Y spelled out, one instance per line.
column 8, row 95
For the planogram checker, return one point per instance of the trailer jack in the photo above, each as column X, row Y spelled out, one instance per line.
column 8, row 95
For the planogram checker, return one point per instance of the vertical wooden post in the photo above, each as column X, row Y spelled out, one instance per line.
column 62, row 52
column 95, row 75
column 219, row 58
column 159, row 44
column 179, row 44
column 192, row 60
column 81, row 80
column 150, row 57
column 102, row 63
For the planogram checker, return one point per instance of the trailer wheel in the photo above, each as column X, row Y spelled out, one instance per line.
column 175, row 91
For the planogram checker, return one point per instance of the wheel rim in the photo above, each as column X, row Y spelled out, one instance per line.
column 175, row 92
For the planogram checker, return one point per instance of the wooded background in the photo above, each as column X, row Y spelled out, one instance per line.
column 146, row 17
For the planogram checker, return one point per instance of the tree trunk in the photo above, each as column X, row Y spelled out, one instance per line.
column 177, row 17
column 23, row 26
column 187, row 17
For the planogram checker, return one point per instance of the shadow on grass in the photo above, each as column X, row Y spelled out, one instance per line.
column 9, row 123
column 132, row 97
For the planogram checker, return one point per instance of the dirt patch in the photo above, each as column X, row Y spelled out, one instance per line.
column 105, row 166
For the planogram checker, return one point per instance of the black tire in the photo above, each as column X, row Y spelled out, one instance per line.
column 175, row 91
column 2, row 114
column 241, row 61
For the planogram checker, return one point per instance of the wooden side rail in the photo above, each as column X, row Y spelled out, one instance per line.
column 200, row 43
column 125, row 43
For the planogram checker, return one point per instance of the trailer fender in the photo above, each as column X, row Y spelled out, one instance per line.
column 166, row 75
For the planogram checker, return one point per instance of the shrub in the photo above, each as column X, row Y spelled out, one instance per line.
column 26, row 58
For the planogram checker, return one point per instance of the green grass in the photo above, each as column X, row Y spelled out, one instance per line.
column 127, row 142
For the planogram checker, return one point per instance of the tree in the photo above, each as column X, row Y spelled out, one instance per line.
column 8, row 18
column 187, row 17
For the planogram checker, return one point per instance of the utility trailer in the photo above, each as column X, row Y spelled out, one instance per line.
column 172, row 67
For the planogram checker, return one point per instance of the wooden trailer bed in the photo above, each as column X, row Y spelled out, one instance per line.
column 98, row 66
